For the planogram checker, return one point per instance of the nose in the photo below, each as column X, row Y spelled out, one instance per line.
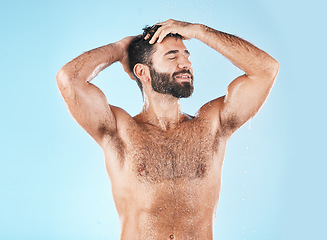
column 184, row 63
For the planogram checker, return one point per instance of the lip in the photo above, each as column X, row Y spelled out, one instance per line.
column 183, row 77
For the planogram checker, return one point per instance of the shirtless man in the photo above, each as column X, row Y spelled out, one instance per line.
column 164, row 165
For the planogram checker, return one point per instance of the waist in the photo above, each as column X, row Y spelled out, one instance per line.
column 154, row 227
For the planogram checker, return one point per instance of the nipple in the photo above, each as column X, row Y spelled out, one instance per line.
column 141, row 169
column 201, row 170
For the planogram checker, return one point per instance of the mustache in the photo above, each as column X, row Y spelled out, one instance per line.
column 183, row 71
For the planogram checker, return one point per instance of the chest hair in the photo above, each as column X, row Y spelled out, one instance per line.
column 185, row 152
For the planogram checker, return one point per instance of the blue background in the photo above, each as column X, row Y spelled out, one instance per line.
column 53, row 182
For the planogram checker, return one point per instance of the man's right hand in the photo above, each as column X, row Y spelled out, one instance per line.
column 123, row 45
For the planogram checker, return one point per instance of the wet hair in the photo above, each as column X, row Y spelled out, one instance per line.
column 140, row 50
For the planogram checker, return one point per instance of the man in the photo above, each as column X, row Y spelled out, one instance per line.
column 164, row 165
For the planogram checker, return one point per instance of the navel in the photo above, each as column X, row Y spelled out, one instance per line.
column 171, row 236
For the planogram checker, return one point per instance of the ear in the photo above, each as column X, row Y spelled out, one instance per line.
column 142, row 71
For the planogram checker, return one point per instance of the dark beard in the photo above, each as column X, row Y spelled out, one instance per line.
column 167, row 84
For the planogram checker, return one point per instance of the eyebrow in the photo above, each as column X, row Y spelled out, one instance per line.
column 176, row 51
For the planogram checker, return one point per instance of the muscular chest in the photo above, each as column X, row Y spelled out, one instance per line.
column 185, row 152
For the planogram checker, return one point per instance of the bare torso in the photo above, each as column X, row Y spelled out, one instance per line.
column 166, row 184
column 166, row 175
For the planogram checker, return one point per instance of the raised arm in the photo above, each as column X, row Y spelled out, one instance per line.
column 247, row 93
column 85, row 101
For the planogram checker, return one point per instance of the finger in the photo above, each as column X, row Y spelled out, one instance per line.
column 155, row 35
column 165, row 31
column 159, row 35
column 157, row 28
column 163, row 34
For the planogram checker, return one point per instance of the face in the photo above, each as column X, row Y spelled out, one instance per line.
column 171, row 72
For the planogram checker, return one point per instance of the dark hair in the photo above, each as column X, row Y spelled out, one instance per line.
column 140, row 50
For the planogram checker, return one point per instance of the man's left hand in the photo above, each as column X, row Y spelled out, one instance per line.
column 185, row 29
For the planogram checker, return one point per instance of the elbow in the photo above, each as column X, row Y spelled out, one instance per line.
column 267, row 69
column 61, row 77
column 275, row 68
column 272, row 70
column 64, row 83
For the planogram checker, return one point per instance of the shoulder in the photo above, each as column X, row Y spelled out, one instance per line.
column 211, row 113
column 123, row 119
column 120, row 113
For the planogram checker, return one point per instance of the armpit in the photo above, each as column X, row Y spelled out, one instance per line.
column 229, row 124
column 104, row 130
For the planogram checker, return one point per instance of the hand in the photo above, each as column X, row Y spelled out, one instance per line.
column 185, row 29
column 123, row 45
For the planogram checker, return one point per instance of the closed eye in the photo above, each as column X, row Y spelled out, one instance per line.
column 172, row 58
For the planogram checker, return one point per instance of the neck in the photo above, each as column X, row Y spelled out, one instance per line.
column 161, row 110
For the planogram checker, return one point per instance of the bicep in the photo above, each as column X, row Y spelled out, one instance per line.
column 245, row 95
column 89, row 107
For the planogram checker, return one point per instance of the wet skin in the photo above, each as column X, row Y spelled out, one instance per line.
column 166, row 184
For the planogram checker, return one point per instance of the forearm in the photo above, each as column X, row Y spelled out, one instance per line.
column 86, row 66
column 241, row 53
